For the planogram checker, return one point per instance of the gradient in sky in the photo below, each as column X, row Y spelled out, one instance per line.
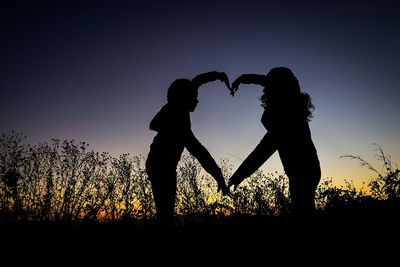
column 98, row 71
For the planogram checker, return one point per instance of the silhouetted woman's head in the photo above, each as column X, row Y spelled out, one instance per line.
column 281, row 83
column 282, row 89
column 182, row 93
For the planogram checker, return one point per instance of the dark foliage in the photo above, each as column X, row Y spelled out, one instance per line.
column 65, row 182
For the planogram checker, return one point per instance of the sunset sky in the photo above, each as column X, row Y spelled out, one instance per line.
column 98, row 71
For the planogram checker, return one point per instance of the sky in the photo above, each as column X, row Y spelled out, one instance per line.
column 98, row 71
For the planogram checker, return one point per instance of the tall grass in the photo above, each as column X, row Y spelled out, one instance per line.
column 65, row 181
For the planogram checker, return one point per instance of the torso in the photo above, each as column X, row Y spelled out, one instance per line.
column 171, row 125
column 293, row 137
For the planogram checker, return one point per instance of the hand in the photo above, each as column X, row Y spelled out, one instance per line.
column 224, row 78
column 230, row 184
column 235, row 85
column 234, row 181
column 225, row 190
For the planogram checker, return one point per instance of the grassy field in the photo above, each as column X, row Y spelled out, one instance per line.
column 61, row 199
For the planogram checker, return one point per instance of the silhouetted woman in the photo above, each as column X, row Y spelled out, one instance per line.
column 172, row 124
column 287, row 112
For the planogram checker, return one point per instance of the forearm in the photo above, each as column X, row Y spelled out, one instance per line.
column 206, row 160
column 247, row 79
column 256, row 158
column 205, row 78
column 252, row 79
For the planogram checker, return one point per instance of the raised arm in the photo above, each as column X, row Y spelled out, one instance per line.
column 210, row 77
column 247, row 79
column 254, row 160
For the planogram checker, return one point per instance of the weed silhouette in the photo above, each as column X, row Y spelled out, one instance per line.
column 63, row 183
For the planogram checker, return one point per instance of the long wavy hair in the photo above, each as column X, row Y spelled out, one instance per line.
column 281, row 88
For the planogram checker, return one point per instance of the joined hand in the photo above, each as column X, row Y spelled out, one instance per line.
column 225, row 190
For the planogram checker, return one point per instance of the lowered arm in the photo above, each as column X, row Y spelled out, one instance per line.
column 254, row 160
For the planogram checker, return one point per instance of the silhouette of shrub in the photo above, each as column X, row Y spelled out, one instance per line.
column 382, row 194
column 386, row 186
column 67, row 182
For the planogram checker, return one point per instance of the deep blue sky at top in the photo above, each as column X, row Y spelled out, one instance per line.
column 98, row 71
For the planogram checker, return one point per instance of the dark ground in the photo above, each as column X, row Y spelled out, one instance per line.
column 366, row 236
